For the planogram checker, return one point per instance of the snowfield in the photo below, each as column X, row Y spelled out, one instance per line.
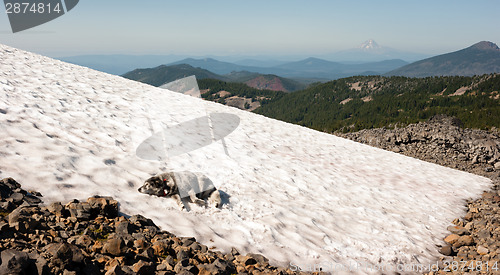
column 296, row 195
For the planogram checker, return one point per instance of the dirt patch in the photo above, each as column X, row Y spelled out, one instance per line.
column 356, row 86
column 460, row 91
column 223, row 93
column 345, row 101
column 242, row 103
column 367, row 98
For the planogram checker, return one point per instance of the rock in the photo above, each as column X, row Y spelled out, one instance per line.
column 115, row 270
column 181, row 265
column 106, row 206
column 7, row 186
column 451, row 239
column 207, row 269
column 259, row 258
column 463, row 241
column 17, row 197
column 115, row 247
column 125, row 228
column 40, row 263
column 65, row 253
column 16, row 262
column 142, row 267
column 484, row 234
column 56, row 208
column 32, row 200
column 497, row 166
column 141, row 221
column 446, row 250
column 84, row 241
column 481, row 250
column 182, row 254
column 459, row 230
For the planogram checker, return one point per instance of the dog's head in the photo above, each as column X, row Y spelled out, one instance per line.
column 153, row 186
column 161, row 185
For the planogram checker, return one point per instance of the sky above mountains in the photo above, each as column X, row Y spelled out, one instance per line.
column 258, row 27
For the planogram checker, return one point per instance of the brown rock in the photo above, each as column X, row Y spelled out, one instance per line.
column 142, row 267
column 446, row 250
column 84, row 241
column 463, row 241
column 140, row 245
column 451, row 239
column 459, row 230
column 115, row 270
column 481, row 250
column 97, row 247
column 115, row 247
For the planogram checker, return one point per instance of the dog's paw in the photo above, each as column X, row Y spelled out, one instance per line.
column 200, row 202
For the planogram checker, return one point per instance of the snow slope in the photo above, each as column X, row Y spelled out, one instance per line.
column 294, row 194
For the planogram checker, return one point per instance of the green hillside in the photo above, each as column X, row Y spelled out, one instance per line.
column 163, row 74
column 361, row 102
column 211, row 87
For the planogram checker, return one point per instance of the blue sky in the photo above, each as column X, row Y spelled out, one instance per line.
column 258, row 27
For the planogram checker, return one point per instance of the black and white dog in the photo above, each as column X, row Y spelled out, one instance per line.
column 195, row 187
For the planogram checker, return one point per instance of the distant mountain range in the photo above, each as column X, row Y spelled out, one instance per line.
column 119, row 64
column 167, row 73
column 307, row 68
column 480, row 58
column 360, row 60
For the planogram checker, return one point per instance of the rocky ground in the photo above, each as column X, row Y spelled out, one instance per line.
column 473, row 245
column 90, row 237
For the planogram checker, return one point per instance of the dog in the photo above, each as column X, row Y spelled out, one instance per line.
column 196, row 187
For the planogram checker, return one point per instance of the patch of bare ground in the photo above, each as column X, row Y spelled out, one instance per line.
column 356, row 86
column 460, row 91
column 367, row 98
column 223, row 93
column 345, row 101
column 242, row 103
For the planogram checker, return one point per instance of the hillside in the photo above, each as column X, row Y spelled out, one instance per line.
column 266, row 82
column 320, row 68
column 236, row 94
column 163, row 74
column 355, row 103
column 478, row 59
column 290, row 193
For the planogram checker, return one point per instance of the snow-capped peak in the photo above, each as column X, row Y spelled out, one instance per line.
column 369, row 44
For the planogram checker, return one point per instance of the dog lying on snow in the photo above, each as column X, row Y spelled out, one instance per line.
column 180, row 185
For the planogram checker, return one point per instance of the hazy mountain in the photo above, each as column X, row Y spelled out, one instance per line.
column 320, row 68
column 478, row 59
column 162, row 74
column 371, row 51
column 220, row 67
column 259, row 62
column 307, row 68
column 119, row 64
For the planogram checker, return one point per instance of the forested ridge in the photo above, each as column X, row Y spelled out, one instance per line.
column 363, row 102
